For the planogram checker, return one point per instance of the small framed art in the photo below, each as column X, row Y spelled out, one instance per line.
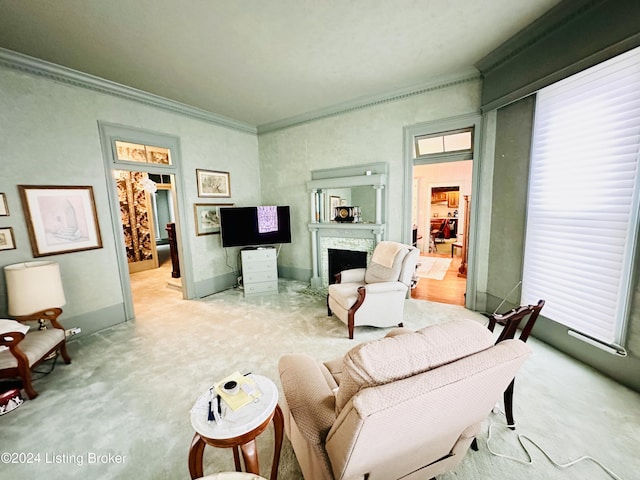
column 213, row 184
column 4, row 207
column 7, row 241
column 207, row 216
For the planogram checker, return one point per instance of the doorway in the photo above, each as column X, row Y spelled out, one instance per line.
column 154, row 160
column 147, row 208
column 439, row 227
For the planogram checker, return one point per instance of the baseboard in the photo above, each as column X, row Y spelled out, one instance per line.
column 96, row 320
column 216, row 284
column 294, row 273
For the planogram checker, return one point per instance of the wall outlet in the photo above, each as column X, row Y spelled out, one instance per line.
column 72, row 331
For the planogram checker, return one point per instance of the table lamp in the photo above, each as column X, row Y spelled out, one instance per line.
column 34, row 291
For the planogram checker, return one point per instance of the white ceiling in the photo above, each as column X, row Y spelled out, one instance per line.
column 262, row 61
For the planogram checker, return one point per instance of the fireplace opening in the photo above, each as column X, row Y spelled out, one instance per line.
column 340, row 260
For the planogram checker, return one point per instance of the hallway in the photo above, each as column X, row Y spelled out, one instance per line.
column 451, row 289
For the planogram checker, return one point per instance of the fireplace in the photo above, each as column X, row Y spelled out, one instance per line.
column 340, row 260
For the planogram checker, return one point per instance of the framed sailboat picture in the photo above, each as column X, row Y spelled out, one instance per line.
column 60, row 219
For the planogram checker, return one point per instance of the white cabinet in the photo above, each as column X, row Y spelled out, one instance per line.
column 259, row 271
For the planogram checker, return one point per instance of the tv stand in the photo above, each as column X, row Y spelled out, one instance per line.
column 259, row 270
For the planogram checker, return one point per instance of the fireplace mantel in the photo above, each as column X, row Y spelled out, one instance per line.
column 324, row 230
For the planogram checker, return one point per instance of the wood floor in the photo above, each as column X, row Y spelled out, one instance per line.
column 448, row 290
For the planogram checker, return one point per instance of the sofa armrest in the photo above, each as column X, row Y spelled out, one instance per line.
column 309, row 398
column 381, row 287
column 353, row 275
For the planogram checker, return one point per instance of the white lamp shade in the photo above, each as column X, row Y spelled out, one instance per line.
column 33, row 287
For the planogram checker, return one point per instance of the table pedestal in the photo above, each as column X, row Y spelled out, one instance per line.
column 247, row 445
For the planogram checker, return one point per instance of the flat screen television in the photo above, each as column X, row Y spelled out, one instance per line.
column 254, row 226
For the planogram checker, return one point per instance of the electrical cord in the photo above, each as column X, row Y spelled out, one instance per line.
column 42, row 373
column 521, row 439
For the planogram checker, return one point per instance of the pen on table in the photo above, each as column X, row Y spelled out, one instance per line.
column 210, row 416
column 219, row 406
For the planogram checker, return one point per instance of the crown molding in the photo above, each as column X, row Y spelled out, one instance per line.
column 34, row 66
column 437, row 83
column 548, row 24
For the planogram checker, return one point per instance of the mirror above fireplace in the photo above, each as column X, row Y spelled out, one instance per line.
column 361, row 186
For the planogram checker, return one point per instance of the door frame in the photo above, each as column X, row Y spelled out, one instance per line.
column 109, row 133
column 443, row 125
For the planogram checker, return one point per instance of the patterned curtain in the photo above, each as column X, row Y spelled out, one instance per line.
column 134, row 212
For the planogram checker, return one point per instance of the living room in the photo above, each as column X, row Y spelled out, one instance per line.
column 51, row 128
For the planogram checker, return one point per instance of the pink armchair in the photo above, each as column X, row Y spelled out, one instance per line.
column 405, row 406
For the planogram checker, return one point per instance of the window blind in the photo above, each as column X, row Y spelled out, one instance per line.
column 582, row 211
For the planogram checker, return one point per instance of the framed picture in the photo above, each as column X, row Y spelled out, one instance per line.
column 213, row 184
column 4, row 207
column 334, row 202
column 60, row 219
column 208, row 217
column 7, row 242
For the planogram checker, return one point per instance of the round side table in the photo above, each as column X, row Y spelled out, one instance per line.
column 238, row 429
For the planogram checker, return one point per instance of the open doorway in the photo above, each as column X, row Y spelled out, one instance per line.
column 440, row 219
column 156, row 158
column 147, row 219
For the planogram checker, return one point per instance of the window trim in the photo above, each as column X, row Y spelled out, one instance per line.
column 452, row 155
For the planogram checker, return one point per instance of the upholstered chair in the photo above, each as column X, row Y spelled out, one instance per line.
column 22, row 348
column 406, row 406
column 375, row 295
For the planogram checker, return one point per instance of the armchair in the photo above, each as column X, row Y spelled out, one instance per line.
column 25, row 349
column 375, row 296
column 397, row 407
column 510, row 321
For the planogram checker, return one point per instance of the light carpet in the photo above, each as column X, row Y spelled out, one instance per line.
column 433, row 267
column 130, row 388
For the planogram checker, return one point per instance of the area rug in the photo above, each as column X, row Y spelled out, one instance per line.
column 434, row 268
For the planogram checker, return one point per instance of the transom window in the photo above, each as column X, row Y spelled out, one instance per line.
column 459, row 142
column 134, row 152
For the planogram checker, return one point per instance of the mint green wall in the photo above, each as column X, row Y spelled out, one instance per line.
column 371, row 134
column 50, row 137
column 514, row 124
column 508, row 212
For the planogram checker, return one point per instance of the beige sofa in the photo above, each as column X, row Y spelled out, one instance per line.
column 405, row 406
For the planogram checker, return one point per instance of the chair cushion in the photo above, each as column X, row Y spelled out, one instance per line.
column 392, row 358
column 345, row 294
column 379, row 273
column 34, row 345
column 385, row 253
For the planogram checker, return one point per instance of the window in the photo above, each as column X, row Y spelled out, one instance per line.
column 583, row 200
column 459, row 142
column 133, row 152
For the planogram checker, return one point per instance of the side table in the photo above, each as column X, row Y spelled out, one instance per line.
column 238, row 429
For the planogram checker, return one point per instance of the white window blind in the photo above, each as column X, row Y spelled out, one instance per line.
column 583, row 199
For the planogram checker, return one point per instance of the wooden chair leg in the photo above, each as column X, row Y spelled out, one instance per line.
column 24, row 371
column 64, row 354
column 508, row 405
column 26, row 384
column 350, row 324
